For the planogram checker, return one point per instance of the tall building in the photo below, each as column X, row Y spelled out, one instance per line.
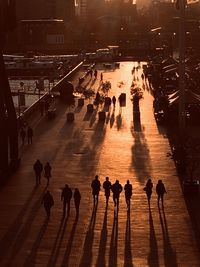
column 65, row 9
column 81, row 8
column 46, row 9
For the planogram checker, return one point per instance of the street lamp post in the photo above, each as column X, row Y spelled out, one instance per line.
column 181, row 66
column 19, row 103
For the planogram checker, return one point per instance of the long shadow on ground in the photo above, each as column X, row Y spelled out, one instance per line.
column 30, row 261
column 114, row 242
column 102, row 243
column 86, row 258
column 127, row 250
column 57, row 243
column 65, row 262
column 153, row 254
column 141, row 162
column 169, row 253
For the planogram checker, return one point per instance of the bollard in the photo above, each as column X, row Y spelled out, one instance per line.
column 70, row 117
column 81, row 102
column 102, row 116
column 90, row 108
column 107, row 101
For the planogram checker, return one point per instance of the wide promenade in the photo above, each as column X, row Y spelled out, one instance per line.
column 118, row 148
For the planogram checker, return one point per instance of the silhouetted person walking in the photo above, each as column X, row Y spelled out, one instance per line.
column 116, row 189
column 66, row 198
column 95, row 74
column 101, row 77
column 148, row 189
column 23, row 135
column 160, row 190
column 77, row 199
column 48, row 202
column 97, row 98
column 38, row 167
column 114, row 100
column 142, row 76
column 30, row 135
column 128, row 193
column 107, row 187
column 47, row 172
column 96, row 185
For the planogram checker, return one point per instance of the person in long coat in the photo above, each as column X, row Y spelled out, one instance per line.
column 148, row 189
column 66, row 199
column 107, row 187
column 38, row 167
column 48, row 202
column 77, row 199
column 116, row 189
column 47, row 172
column 96, row 185
column 128, row 193
column 160, row 190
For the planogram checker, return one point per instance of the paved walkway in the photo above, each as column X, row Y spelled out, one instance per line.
column 119, row 149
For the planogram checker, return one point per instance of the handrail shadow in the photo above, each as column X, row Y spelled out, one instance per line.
column 18, row 232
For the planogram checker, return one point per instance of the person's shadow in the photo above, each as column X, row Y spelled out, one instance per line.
column 119, row 121
column 30, row 261
column 153, row 254
column 112, row 119
column 102, row 243
column 86, row 258
column 57, row 243
column 127, row 250
column 65, row 261
column 169, row 253
column 114, row 241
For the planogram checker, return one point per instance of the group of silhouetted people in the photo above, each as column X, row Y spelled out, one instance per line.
column 160, row 191
column 38, row 169
column 116, row 189
column 66, row 197
column 26, row 133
